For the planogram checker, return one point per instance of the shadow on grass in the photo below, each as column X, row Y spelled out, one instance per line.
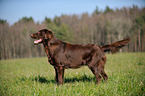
column 83, row 78
column 42, row 79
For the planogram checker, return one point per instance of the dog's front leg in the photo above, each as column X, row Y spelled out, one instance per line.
column 59, row 74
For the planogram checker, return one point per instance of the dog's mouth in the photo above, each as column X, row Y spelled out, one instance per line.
column 37, row 41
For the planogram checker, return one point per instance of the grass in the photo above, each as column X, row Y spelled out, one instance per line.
column 34, row 76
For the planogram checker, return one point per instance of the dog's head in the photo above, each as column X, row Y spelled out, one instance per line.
column 42, row 35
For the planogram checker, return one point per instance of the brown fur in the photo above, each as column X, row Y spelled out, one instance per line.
column 63, row 55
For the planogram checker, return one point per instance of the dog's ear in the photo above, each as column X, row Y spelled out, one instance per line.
column 48, row 34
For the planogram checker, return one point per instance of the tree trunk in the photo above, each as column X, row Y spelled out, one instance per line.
column 139, row 40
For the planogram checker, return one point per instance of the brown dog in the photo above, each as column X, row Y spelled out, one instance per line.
column 63, row 55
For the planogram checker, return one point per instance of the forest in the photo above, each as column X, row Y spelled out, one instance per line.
column 100, row 27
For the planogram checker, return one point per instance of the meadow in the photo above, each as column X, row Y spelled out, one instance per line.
column 35, row 77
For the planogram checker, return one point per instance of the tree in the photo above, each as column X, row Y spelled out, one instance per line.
column 64, row 34
column 108, row 10
column 140, row 24
column 57, row 21
column 97, row 10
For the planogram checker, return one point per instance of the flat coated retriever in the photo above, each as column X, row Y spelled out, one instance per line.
column 63, row 55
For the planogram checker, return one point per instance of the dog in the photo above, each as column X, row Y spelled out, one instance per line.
column 62, row 55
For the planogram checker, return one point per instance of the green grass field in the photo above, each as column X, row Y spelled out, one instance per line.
column 34, row 76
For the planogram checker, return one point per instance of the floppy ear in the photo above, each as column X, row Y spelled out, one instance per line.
column 48, row 34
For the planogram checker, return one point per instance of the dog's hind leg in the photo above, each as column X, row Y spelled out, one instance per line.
column 96, row 73
column 104, row 75
column 101, row 66
column 93, row 65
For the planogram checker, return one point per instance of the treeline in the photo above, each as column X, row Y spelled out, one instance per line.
column 100, row 27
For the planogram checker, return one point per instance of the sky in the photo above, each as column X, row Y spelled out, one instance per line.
column 14, row 10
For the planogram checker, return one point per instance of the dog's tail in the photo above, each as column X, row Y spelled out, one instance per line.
column 114, row 47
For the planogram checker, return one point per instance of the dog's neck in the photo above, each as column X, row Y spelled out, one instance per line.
column 51, row 46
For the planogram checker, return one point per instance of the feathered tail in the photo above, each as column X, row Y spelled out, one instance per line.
column 114, row 47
